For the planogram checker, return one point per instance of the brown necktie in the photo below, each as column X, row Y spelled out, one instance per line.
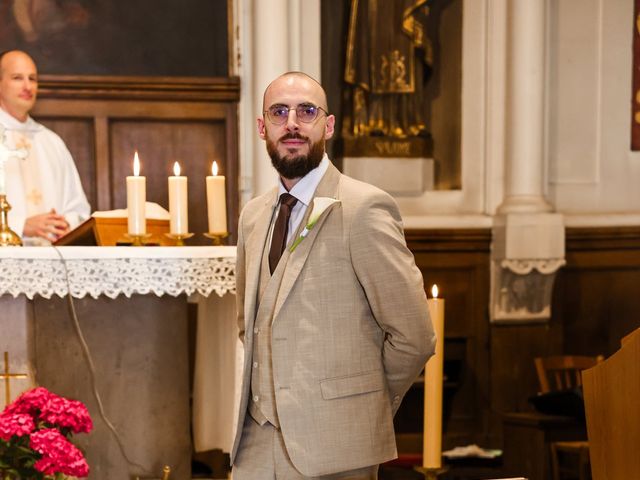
column 279, row 236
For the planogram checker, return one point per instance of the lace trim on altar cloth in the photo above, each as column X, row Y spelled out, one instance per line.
column 114, row 277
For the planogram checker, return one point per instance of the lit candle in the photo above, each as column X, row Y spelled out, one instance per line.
column 179, row 220
column 136, row 198
column 432, row 439
column 216, row 202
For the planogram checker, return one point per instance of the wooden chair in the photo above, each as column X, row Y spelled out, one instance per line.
column 563, row 372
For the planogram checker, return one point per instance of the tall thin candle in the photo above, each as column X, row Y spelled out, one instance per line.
column 136, row 198
column 432, row 439
column 216, row 202
column 179, row 216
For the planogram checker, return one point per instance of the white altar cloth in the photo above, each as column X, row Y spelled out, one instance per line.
column 114, row 271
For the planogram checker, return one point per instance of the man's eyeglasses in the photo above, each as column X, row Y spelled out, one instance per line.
column 305, row 113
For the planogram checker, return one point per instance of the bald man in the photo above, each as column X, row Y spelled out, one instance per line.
column 331, row 307
column 42, row 182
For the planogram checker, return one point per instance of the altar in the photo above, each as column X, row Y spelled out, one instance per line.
column 108, row 326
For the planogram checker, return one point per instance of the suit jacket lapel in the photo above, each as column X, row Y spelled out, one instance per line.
column 328, row 187
column 255, row 245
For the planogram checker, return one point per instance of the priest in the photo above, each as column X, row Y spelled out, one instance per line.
column 41, row 179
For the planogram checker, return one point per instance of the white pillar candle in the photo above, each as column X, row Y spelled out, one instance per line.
column 179, row 219
column 136, row 198
column 432, row 439
column 216, row 202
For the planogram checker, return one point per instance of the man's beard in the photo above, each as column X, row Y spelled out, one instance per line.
column 297, row 166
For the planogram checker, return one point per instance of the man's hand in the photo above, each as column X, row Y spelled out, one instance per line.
column 49, row 226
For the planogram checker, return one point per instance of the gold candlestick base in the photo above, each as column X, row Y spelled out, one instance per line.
column 431, row 473
column 216, row 237
column 8, row 238
column 138, row 240
column 179, row 237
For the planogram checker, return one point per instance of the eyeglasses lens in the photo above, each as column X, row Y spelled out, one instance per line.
column 305, row 113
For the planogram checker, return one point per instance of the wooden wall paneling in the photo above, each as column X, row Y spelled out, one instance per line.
column 513, row 375
column 596, row 296
column 191, row 118
column 78, row 135
column 103, row 154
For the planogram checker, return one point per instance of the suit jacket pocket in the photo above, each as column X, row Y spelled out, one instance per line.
column 351, row 385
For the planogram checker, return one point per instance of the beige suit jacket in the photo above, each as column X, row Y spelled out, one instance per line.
column 350, row 326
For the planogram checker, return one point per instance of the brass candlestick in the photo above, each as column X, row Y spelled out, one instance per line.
column 179, row 237
column 138, row 239
column 166, row 471
column 216, row 237
column 431, row 473
column 8, row 238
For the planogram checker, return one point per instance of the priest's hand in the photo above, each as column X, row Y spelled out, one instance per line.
column 49, row 226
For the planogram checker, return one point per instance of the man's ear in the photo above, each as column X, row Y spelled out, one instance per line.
column 261, row 128
column 329, row 127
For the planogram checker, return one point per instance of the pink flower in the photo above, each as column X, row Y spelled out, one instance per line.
column 18, row 424
column 30, row 401
column 67, row 413
column 58, row 454
column 35, row 428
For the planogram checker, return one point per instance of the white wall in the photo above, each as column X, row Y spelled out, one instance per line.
column 592, row 171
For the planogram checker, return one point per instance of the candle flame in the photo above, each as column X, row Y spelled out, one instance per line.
column 136, row 164
column 434, row 291
column 214, row 168
column 176, row 169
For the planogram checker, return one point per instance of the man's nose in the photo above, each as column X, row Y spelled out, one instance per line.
column 292, row 120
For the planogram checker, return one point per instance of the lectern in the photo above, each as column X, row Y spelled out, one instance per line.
column 611, row 397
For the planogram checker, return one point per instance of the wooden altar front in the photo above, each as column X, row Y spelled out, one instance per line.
column 129, row 307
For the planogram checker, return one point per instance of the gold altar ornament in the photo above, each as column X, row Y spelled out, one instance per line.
column 7, row 376
column 138, row 240
column 8, row 238
column 216, row 237
column 179, row 238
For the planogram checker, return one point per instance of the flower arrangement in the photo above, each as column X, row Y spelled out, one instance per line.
column 34, row 437
column 320, row 204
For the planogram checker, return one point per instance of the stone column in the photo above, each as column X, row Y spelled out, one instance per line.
column 525, row 108
column 528, row 239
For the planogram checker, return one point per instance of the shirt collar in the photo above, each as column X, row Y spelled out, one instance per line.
column 306, row 186
column 12, row 123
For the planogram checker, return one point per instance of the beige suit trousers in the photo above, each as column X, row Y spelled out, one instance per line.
column 262, row 455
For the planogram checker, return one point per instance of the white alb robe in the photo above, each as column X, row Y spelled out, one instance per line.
column 51, row 173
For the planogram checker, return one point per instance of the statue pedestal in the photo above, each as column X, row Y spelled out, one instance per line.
column 401, row 166
column 397, row 176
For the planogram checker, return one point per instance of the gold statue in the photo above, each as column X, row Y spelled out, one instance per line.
column 389, row 58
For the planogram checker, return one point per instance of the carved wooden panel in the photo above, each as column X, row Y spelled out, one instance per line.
column 104, row 120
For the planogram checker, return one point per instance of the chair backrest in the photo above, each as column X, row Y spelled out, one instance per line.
column 562, row 372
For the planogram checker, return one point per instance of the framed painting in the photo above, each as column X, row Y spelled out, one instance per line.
column 186, row 38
